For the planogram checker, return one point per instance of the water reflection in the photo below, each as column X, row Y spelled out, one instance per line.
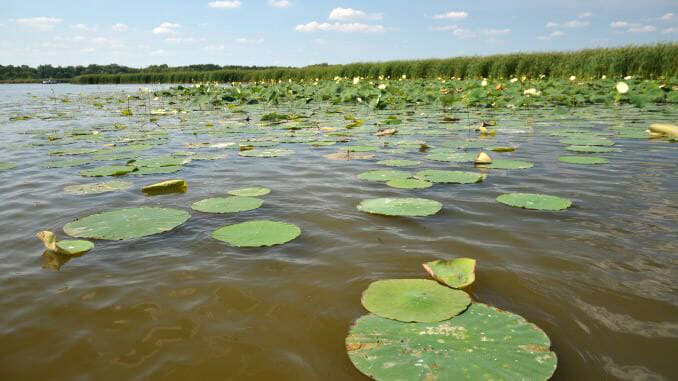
column 53, row 261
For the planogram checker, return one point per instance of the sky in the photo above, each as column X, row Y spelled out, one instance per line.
column 305, row 32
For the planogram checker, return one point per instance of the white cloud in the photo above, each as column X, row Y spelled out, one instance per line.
column 495, row 32
column 224, row 4
column 179, row 40
column 100, row 40
column 315, row 26
column 214, row 48
column 642, row 29
column 454, row 15
column 279, row 3
column 84, row 27
column 120, row 27
column 252, row 41
column 667, row 17
column 166, row 28
column 585, row 15
column 568, row 24
column 621, row 24
column 554, row 34
column 158, row 52
column 87, row 50
column 353, row 14
column 670, row 30
column 39, row 22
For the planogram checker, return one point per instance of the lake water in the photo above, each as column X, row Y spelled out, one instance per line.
column 599, row 278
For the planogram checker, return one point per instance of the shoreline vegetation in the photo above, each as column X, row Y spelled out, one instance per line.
column 640, row 61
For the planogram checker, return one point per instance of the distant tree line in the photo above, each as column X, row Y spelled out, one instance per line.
column 23, row 72
column 645, row 61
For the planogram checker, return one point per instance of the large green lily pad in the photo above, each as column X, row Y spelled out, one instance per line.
column 401, row 206
column 383, row 175
column 250, row 192
column 127, row 223
column 95, row 188
column 414, row 300
column 257, row 233
column 456, row 273
column 483, row 343
column 108, row 170
column 230, row 204
column 457, row 177
column 399, row 163
column 534, row 201
column 411, row 183
column 586, row 160
column 508, row 164
column 74, row 246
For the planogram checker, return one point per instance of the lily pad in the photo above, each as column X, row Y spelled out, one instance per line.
column 399, row 163
column 108, row 170
column 250, row 192
column 455, row 157
column 401, row 206
column 483, row 343
column 362, row 148
column 158, row 170
column 230, row 204
column 592, row 149
column 383, row 175
column 588, row 160
column 414, row 300
column 257, row 233
column 74, row 246
column 346, row 155
column 266, row 152
column 409, row 183
column 160, row 161
column 127, row 223
column 534, row 201
column 6, row 166
column 167, row 186
column 65, row 163
column 95, row 188
column 502, row 149
column 508, row 164
column 457, row 177
column 456, row 273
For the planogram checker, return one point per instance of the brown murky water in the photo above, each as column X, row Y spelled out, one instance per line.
column 599, row 278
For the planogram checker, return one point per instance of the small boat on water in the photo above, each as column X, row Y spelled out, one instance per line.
column 49, row 82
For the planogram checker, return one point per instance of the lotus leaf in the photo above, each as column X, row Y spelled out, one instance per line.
column 257, row 233
column 534, row 201
column 410, row 207
column 127, row 223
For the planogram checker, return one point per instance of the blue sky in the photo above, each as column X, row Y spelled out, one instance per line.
column 304, row 32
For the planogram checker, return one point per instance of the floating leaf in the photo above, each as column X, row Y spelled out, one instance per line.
column 399, row 163
column 127, row 223
column 383, row 175
column 456, row 273
column 257, row 233
column 167, row 186
column 589, row 160
column 230, row 204
column 483, row 343
column 6, row 166
column 414, row 300
column 250, row 192
column 456, row 157
column 108, row 170
column 94, row 188
column 160, row 161
column 346, row 155
column 508, row 164
column 456, row 177
column 266, row 152
column 403, row 206
column 74, row 246
column 592, row 149
column 158, row 170
column 65, row 163
column 409, row 183
column 362, row 148
column 534, row 201
column 502, row 149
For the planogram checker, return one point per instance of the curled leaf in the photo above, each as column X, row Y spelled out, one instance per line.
column 456, row 273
